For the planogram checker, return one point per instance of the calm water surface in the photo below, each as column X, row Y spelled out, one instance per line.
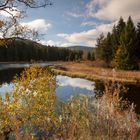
column 67, row 86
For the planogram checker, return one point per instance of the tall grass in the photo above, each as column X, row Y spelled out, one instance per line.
column 32, row 111
column 88, row 70
column 106, row 118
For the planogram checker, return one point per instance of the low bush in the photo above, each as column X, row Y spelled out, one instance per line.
column 32, row 111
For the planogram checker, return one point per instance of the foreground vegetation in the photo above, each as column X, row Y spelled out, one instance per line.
column 33, row 111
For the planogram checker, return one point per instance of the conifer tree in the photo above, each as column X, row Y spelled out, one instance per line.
column 89, row 56
column 92, row 56
column 116, row 34
column 107, row 55
column 120, row 28
column 99, row 46
column 125, row 56
column 137, row 53
column 114, row 40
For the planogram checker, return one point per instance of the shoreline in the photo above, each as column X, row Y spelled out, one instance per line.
column 82, row 70
column 86, row 70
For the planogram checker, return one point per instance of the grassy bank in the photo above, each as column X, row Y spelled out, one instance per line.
column 88, row 71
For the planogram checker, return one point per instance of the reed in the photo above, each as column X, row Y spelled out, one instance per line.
column 32, row 111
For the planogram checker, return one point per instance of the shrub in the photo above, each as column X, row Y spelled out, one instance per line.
column 30, row 104
column 32, row 111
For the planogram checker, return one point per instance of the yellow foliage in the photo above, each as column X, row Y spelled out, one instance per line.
column 33, row 107
column 31, row 103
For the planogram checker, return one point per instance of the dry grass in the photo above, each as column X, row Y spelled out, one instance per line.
column 33, row 104
column 87, row 69
column 105, row 118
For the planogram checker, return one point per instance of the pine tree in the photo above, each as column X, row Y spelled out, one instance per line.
column 123, row 60
column 114, row 40
column 116, row 34
column 125, row 57
column 89, row 56
column 92, row 56
column 137, row 53
column 99, row 46
column 107, row 55
column 119, row 29
column 104, row 48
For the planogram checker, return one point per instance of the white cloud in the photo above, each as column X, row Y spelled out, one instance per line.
column 87, row 37
column 37, row 24
column 110, row 10
column 75, row 15
column 113, row 9
column 80, row 38
column 67, row 44
column 62, row 35
column 56, row 43
column 89, row 23
column 9, row 12
column 48, row 42
column 93, row 5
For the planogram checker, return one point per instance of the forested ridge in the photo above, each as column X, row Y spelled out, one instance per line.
column 121, row 47
column 17, row 49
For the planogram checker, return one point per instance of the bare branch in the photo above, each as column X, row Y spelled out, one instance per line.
column 34, row 4
column 5, row 4
column 10, row 27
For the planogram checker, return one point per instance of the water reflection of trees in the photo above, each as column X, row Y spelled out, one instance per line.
column 9, row 74
column 99, row 87
column 132, row 94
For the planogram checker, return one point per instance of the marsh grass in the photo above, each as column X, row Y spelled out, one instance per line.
column 32, row 111
column 91, row 72
column 106, row 118
column 116, row 117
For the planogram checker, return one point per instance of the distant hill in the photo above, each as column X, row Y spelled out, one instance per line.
column 19, row 42
column 83, row 48
column 18, row 49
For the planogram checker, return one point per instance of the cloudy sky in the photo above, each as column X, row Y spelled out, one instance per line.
column 73, row 22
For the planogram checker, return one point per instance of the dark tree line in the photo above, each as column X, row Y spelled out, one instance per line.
column 121, row 47
column 90, row 56
column 26, row 50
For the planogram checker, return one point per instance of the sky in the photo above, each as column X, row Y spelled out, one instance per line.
column 79, row 22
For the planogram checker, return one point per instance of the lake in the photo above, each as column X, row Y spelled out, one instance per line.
column 66, row 86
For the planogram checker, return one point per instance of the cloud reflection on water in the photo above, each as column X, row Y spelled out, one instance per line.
column 5, row 87
column 75, row 82
column 67, row 87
